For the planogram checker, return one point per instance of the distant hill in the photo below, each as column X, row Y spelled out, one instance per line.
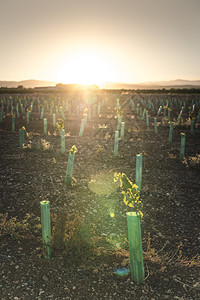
column 178, row 83
column 27, row 83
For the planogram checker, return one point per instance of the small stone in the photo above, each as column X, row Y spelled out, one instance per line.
column 44, row 278
column 197, row 284
column 95, row 271
column 41, row 292
column 166, row 279
column 160, row 234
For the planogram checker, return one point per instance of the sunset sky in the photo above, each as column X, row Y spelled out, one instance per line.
column 91, row 41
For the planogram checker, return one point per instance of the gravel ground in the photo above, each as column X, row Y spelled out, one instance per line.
column 170, row 196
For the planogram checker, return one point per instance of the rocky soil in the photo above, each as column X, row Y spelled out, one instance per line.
column 89, row 231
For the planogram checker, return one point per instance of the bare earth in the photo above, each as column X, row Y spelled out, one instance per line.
column 85, row 269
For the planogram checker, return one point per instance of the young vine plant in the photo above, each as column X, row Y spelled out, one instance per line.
column 130, row 192
column 73, row 149
column 60, row 124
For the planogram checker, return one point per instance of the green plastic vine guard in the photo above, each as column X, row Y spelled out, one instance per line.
column 27, row 117
column 179, row 119
column 82, row 127
column 192, row 126
column 182, row 148
column 137, row 108
column 140, row 111
column 138, row 177
column 56, row 109
column 1, row 116
column 119, row 120
column 135, row 247
column 54, row 120
column 46, row 228
column 155, row 125
column 99, row 107
column 13, row 123
column 147, row 118
column 62, row 141
column 62, row 113
column 198, row 117
column 77, row 109
column 21, row 138
column 181, row 112
column 45, row 125
column 116, row 143
column 89, row 115
column 169, row 115
column 122, row 130
column 144, row 113
column 133, row 105
column 159, row 111
column 17, row 111
column 42, row 113
column 69, row 110
column 171, row 131
column 70, row 166
column 85, row 120
column 117, row 103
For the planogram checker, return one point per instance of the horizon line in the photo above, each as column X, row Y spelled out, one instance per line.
column 104, row 82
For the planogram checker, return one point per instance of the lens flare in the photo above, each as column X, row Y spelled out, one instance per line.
column 112, row 215
column 102, row 183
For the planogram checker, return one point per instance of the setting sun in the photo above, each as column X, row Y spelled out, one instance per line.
column 84, row 67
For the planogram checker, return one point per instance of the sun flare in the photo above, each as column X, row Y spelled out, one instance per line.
column 84, row 67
